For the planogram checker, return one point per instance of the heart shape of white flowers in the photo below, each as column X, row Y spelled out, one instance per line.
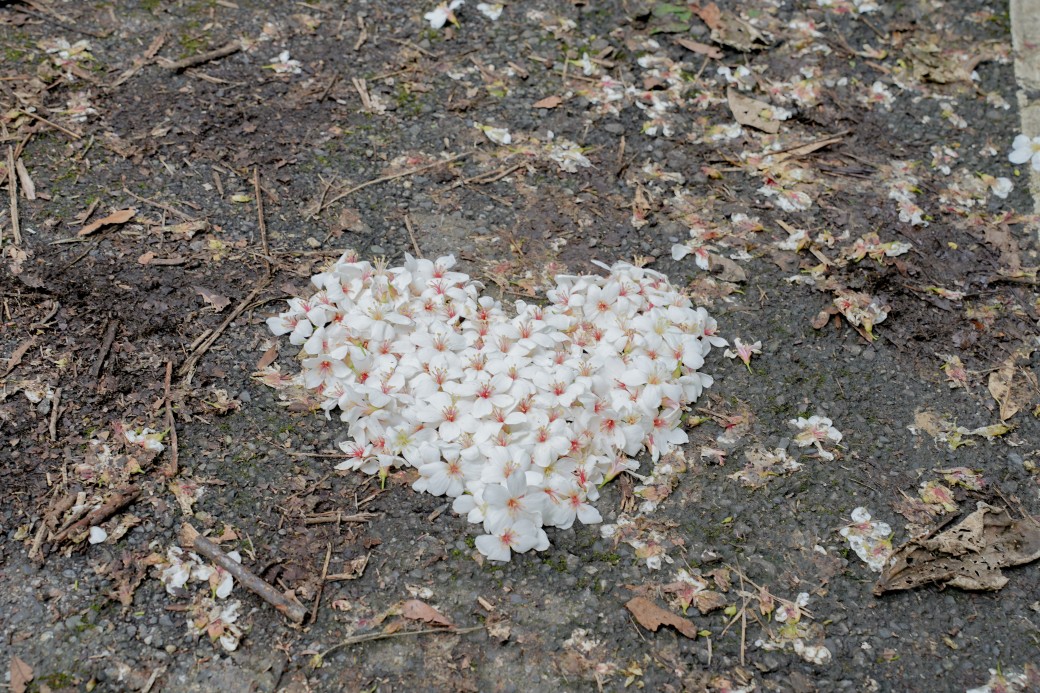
column 519, row 419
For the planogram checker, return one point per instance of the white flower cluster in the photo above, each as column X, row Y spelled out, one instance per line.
column 521, row 418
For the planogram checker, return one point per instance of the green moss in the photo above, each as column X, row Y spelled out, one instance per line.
column 60, row 679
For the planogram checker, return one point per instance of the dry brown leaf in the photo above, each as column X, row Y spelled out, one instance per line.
column 727, row 270
column 711, row 15
column 421, row 611
column 1012, row 394
column 21, row 675
column 16, row 357
column 28, row 187
column 968, row 555
column 1000, row 388
column 548, row 102
column 187, row 229
column 268, row 358
column 218, row 302
column 701, row 48
column 120, row 217
column 652, row 617
column 748, row 111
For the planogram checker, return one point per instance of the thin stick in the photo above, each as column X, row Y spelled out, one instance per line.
column 227, row 49
column 189, row 364
column 338, row 516
column 12, row 187
column 395, row 176
column 117, row 502
column 55, row 404
column 190, row 537
column 398, row 634
column 411, row 234
column 106, row 344
column 160, row 205
column 260, row 215
column 321, row 585
column 141, row 61
column 171, row 469
column 70, row 133
column 489, row 177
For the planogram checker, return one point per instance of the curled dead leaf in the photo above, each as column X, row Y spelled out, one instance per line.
column 120, row 217
column 969, row 555
column 652, row 617
column 421, row 611
column 752, row 112
column 548, row 102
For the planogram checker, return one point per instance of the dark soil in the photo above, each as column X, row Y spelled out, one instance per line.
column 375, row 134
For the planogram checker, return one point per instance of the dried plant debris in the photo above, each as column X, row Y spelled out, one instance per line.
column 968, row 555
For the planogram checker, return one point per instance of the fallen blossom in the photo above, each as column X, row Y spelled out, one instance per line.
column 515, row 418
column 938, row 496
column 861, row 309
column 145, row 438
column 1025, row 149
column 816, row 430
column 490, row 10
column 763, row 464
column 568, row 155
column 871, row 540
column 743, row 351
column 496, row 135
column 282, row 64
column 217, row 621
column 443, row 13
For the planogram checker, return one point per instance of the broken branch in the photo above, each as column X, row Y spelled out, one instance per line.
column 191, row 538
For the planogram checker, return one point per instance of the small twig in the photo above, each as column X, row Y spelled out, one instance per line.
column 397, row 634
column 321, row 585
column 117, row 502
column 190, row 537
column 12, row 187
column 70, row 133
column 337, row 517
column 490, row 176
column 142, row 60
column 385, row 179
column 363, row 36
column 331, row 455
column 160, row 205
column 260, row 215
column 55, row 404
column 327, row 89
column 227, row 49
column 189, row 364
column 58, row 22
column 171, row 469
column 411, row 234
column 106, row 344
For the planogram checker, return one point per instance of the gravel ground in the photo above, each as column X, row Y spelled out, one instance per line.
column 375, row 134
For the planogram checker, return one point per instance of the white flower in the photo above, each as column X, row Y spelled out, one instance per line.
column 282, row 64
column 816, row 430
column 1024, row 149
column 1001, row 187
column 443, row 13
column 146, row 438
column 518, row 418
column 496, row 135
column 568, row 155
column 871, row 540
column 521, row 536
column 491, row 10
